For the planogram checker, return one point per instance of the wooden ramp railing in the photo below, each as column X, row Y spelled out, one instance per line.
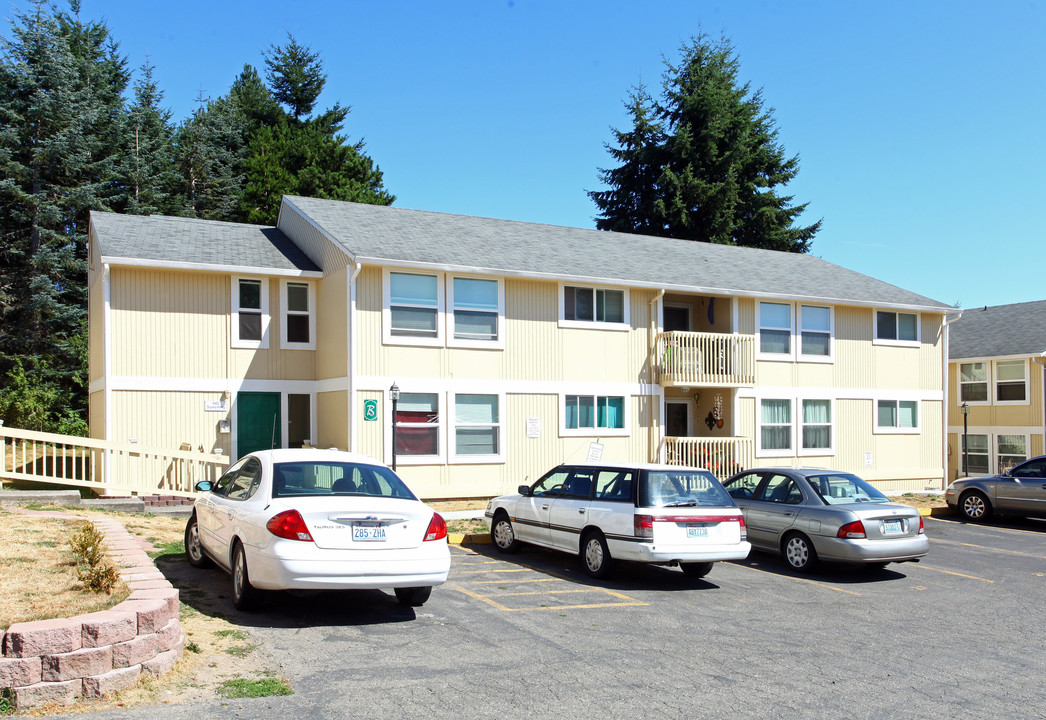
column 108, row 467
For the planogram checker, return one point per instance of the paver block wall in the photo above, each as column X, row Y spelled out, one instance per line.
column 57, row 661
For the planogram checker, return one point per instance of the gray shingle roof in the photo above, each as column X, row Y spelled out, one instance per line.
column 1018, row 329
column 396, row 236
column 162, row 239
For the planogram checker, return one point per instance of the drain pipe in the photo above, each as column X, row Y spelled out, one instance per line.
column 1041, row 360
column 655, row 437
column 946, row 335
column 353, row 439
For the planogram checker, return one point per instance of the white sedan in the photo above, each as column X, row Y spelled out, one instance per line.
column 317, row 520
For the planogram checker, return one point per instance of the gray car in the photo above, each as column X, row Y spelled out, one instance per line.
column 1020, row 491
column 808, row 515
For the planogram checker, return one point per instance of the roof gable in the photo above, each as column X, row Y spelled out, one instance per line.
column 999, row 330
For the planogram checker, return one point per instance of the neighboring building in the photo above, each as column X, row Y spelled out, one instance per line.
column 515, row 347
column 997, row 367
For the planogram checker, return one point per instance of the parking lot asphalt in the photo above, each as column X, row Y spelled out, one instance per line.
column 960, row 634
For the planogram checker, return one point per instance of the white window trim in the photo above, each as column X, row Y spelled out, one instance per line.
column 987, row 381
column 759, row 451
column 386, row 311
column 564, row 431
column 623, row 326
column 285, row 305
column 992, row 462
column 830, row 357
column 876, row 340
column 993, row 381
column 234, row 315
column 691, row 410
column 879, row 430
column 775, row 357
column 496, row 344
column 439, row 458
column 453, row 425
column 818, row 452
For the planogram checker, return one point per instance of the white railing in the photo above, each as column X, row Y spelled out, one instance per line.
column 723, row 456
column 705, row 359
column 109, row 467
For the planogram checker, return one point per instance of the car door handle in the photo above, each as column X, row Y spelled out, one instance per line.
column 544, row 507
column 581, row 511
column 787, row 514
column 228, row 514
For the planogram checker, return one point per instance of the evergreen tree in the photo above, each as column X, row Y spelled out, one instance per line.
column 259, row 107
column 212, row 151
column 295, row 76
column 702, row 163
column 148, row 171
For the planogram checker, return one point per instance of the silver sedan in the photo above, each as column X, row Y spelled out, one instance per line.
column 808, row 515
column 1020, row 491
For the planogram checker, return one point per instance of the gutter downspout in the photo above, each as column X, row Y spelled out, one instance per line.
column 656, row 406
column 1041, row 360
column 946, row 339
column 351, row 309
column 107, row 374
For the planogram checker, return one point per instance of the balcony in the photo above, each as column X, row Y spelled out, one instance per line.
column 723, row 456
column 695, row 359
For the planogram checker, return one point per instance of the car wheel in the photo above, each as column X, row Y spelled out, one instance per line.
column 799, row 552
column 413, row 596
column 696, row 570
column 244, row 595
column 974, row 506
column 502, row 534
column 596, row 556
column 193, row 549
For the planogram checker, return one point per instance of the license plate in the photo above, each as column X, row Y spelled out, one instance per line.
column 892, row 527
column 368, row 532
column 696, row 531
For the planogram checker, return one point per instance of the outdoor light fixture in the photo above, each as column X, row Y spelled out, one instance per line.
column 965, row 407
column 394, row 395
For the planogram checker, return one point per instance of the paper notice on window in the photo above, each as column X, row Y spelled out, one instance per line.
column 595, row 452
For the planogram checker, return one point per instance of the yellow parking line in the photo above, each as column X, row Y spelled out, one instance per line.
column 514, row 582
column 811, row 582
column 489, row 599
column 488, row 572
column 987, row 547
column 546, row 592
column 952, row 572
column 1004, row 529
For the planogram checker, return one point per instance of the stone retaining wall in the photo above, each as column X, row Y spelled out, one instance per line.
column 58, row 661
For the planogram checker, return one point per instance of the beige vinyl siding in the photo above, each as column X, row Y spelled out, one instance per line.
column 95, row 319
column 332, row 326
column 332, row 419
column 96, row 415
column 165, row 420
column 326, row 254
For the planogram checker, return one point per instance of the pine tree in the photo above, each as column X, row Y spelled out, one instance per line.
column 702, row 163
column 212, row 152
column 148, row 172
column 295, row 76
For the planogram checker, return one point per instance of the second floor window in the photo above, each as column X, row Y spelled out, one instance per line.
column 816, row 329
column 475, row 307
column 775, row 328
column 973, row 382
column 1010, row 383
column 414, row 305
column 896, row 326
column 250, row 313
column 586, row 304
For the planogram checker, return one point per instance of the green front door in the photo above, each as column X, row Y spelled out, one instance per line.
column 258, row 425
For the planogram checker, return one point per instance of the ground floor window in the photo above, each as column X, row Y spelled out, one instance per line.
column 477, row 425
column 1012, row 450
column 775, row 426
column 594, row 411
column 817, row 424
column 417, row 424
column 975, row 455
column 897, row 415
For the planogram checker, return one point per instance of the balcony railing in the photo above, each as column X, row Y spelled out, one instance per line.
column 705, row 359
column 723, row 456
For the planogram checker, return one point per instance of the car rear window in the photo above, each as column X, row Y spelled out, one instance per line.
column 843, row 488
column 300, row 479
column 681, row 488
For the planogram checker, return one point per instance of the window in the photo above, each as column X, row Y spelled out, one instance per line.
column 973, row 382
column 781, row 489
column 477, row 311
column 1010, row 383
column 978, row 460
column 775, row 329
column 417, row 425
column 1012, row 451
column 593, row 414
column 414, row 305
column 815, row 325
column 614, row 485
column 817, row 425
column 896, row 327
column 477, row 427
column 250, row 313
column 897, row 416
column 588, row 306
column 299, row 323
column 775, row 426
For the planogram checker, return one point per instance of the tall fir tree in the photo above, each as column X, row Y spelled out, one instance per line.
column 703, row 162
column 148, row 171
column 212, row 152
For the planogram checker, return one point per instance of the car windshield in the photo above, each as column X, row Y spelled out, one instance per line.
column 842, row 488
column 681, row 488
column 299, row 479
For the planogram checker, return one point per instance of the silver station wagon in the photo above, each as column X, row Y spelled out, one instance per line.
column 812, row 514
column 659, row 514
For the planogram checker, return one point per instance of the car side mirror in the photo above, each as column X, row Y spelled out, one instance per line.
column 524, row 490
column 203, row 486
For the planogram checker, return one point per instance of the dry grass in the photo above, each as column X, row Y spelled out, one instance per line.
column 455, row 505
column 921, row 501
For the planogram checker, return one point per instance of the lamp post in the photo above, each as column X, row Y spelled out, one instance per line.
column 965, row 407
column 394, row 395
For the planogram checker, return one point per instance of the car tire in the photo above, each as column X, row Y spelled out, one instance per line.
column 244, row 595
column 502, row 534
column 975, row 506
column 595, row 555
column 194, row 553
column 799, row 552
column 696, row 570
column 413, row 596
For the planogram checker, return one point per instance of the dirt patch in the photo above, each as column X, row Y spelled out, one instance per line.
column 921, row 501
column 442, row 506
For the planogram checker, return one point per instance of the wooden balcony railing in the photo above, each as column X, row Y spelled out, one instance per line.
column 705, row 359
column 723, row 456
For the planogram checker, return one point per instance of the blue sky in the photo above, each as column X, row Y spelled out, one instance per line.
column 919, row 124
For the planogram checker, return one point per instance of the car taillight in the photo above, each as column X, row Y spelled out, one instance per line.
column 437, row 528
column 854, row 529
column 922, row 528
column 643, row 525
column 289, row 525
column 744, row 528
